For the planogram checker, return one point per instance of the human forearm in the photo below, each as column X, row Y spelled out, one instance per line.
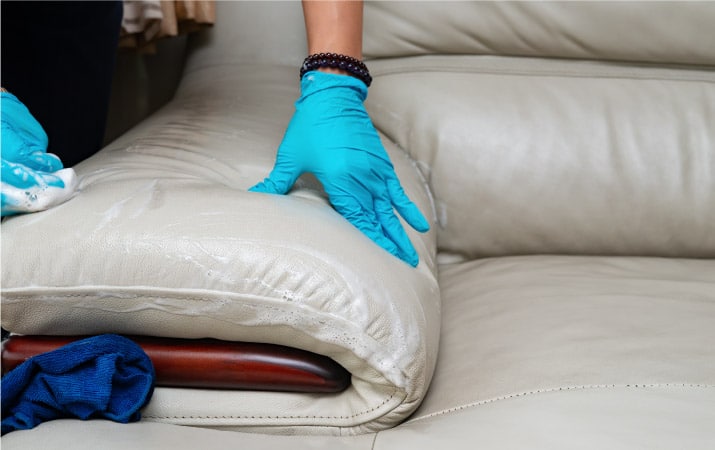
column 334, row 27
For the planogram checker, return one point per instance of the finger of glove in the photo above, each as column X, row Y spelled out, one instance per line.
column 406, row 207
column 37, row 198
column 392, row 227
column 279, row 181
column 22, row 177
column 351, row 210
column 42, row 161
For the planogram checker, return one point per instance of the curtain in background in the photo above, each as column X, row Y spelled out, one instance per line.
column 146, row 21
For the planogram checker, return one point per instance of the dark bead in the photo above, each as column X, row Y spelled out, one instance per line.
column 354, row 66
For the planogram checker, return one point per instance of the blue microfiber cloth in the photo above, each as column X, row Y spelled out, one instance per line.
column 105, row 376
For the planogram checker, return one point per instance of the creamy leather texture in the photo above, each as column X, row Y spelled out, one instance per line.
column 538, row 156
column 655, row 32
column 534, row 324
column 163, row 239
column 106, row 435
column 569, row 152
column 618, row 418
column 251, row 36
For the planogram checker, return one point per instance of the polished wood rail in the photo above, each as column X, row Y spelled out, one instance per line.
column 210, row 363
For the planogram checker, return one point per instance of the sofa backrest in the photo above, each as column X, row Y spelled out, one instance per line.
column 670, row 32
column 660, row 32
column 251, row 32
column 540, row 127
column 554, row 127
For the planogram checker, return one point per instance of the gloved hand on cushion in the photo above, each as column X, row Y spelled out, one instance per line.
column 332, row 137
column 32, row 179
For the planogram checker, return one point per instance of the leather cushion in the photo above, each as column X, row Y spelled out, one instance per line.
column 530, row 325
column 163, row 239
column 571, row 352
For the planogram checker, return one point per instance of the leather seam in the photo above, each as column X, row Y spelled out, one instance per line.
column 596, row 72
column 374, row 441
column 277, row 417
column 558, row 389
column 555, row 73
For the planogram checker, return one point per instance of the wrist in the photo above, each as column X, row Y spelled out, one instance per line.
column 337, row 63
column 331, row 87
column 333, row 71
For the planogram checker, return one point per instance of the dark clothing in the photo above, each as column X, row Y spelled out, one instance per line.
column 58, row 59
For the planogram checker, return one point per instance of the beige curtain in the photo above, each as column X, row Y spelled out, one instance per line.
column 146, row 21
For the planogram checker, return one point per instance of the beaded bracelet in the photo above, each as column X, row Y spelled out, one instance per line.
column 353, row 66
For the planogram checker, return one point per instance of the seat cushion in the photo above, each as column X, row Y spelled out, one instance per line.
column 592, row 344
column 163, row 239
column 95, row 434
column 617, row 418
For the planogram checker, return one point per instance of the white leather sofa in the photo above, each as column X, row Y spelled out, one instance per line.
column 565, row 296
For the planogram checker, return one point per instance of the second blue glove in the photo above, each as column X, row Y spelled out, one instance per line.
column 32, row 179
column 332, row 137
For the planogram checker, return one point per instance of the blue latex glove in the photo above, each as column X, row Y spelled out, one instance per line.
column 332, row 137
column 32, row 179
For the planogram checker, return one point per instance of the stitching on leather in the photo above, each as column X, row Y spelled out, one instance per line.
column 550, row 390
column 278, row 417
column 536, row 73
column 600, row 70
column 374, row 441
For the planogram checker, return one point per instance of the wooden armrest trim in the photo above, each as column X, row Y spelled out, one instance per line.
column 210, row 363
